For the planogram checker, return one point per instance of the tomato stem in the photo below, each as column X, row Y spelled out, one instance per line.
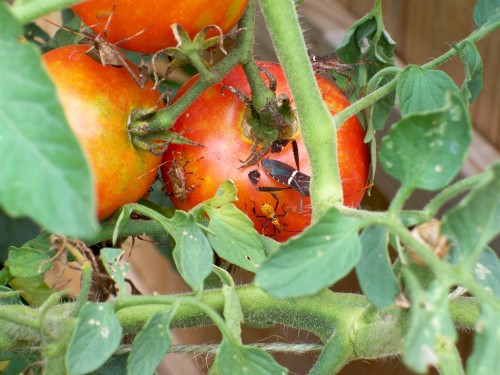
column 317, row 128
column 86, row 282
column 323, row 314
column 26, row 11
column 261, row 94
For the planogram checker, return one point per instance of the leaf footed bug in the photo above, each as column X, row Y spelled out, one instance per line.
column 107, row 53
column 178, row 179
column 331, row 63
column 284, row 173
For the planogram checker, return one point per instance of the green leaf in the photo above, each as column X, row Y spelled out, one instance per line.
column 474, row 222
column 234, row 238
column 19, row 363
column 111, row 257
column 364, row 38
column 33, row 290
column 427, row 150
column 380, row 110
column 422, row 90
column 486, row 11
column 9, row 297
column 374, row 268
column 193, row 255
column 35, row 34
column 43, row 167
column 232, row 306
column 324, row 253
column 151, row 344
column 226, row 193
column 369, row 47
column 5, row 276
column 117, row 364
column 485, row 359
column 473, row 65
column 27, row 262
column 431, row 326
column 355, row 39
column 487, row 271
column 237, row 359
column 269, row 245
column 64, row 36
column 96, row 337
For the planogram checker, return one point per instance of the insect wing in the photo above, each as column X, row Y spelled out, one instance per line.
column 278, row 170
column 287, row 175
column 300, row 182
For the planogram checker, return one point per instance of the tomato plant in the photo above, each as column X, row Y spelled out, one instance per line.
column 412, row 265
column 217, row 119
column 97, row 101
column 151, row 20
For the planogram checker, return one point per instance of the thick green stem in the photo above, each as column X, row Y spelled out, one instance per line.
column 328, row 315
column 20, row 320
column 261, row 94
column 399, row 200
column 26, row 11
column 337, row 353
column 317, row 128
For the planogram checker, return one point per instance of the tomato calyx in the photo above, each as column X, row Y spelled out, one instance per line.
column 274, row 119
column 156, row 141
column 190, row 51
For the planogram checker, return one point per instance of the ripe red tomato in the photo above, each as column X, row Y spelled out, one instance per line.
column 215, row 120
column 152, row 19
column 97, row 101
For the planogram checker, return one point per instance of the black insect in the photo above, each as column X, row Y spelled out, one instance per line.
column 284, row 173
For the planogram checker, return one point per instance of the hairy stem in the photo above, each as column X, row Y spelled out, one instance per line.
column 449, row 193
column 26, row 11
column 317, row 128
column 325, row 314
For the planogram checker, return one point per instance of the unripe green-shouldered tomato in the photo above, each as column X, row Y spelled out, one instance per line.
column 152, row 19
column 97, row 101
column 215, row 119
